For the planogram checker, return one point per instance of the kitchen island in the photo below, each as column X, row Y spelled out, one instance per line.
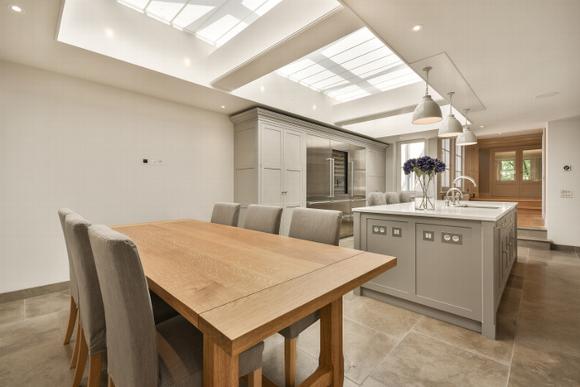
column 452, row 262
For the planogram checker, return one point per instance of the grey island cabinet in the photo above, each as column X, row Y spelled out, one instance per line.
column 452, row 262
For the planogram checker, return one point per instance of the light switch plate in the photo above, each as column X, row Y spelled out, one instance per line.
column 381, row 230
column 396, row 232
column 428, row 236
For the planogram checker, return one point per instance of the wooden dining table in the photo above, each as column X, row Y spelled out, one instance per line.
column 241, row 286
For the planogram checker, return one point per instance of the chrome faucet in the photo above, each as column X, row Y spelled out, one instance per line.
column 455, row 192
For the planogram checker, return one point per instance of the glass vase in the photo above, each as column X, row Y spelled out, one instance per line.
column 425, row 192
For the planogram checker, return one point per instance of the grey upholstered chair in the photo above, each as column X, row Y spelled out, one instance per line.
column 392, row 197
column 263, row 218
column 376, row 199
column 92, row 316
column 316, row 225
column 140, row 354
column 72, row 317
column 226, row 213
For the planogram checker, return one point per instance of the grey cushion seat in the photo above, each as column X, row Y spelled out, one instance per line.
column 263, row 218
column 392, row 197
column 226, row 213
column 185, row 365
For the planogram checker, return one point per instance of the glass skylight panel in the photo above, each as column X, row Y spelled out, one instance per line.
column 190, row 14
column 139, row 5
column 354, row 66
column 164, row 10
column 214, row 21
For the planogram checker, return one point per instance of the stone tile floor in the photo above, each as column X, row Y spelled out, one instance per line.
column 539, row 338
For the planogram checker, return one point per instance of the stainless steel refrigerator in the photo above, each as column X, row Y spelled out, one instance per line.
column 335, row 177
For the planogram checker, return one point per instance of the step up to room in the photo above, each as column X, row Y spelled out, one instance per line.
column 536, row 237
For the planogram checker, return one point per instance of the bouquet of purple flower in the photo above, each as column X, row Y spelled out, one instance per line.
column 425, row 168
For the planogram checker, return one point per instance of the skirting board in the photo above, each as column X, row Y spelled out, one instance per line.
column 422, row 309
column 33, row 292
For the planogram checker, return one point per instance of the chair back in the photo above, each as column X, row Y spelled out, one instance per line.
column 131, row 334
column 62, row 214
column 226, row 213
column 392, row 197
column 376, row 199
column 263, row 218
column 91, row 310
column 316, row 225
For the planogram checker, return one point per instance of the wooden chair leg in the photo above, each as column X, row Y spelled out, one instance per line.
column 75, row 355
column 72, row 318
column 110, row 384
column 290, row 361
column 81, row 361
column 255, row 378
column 95, row 363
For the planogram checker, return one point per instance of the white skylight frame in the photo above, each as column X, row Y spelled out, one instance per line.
column 352, row 67
column 213, row 21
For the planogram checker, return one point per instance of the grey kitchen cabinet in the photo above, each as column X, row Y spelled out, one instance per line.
column 270, row 160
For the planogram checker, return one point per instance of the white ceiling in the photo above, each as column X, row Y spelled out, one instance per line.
column 508, row 51
column 497, row 55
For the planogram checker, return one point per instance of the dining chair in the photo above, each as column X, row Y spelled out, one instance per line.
column 73, row 309
column 316, row 225
column 92, row 319
column 139, row 353
column 407, row 196
column 263, row 218
column 392, row 197
column 91, row 327
column 376, row 199
column 226, row 213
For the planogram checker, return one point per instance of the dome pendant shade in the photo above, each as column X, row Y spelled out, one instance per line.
column 427, row 112
column 451, row 127
column 467, row 137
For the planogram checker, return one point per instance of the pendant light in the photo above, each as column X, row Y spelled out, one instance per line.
column 467, row 137
column 451, row 126
column 428, row 111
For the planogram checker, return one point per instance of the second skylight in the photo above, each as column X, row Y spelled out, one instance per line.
column 353, row 67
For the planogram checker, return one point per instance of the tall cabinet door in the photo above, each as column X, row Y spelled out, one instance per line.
column 293, row 175
column 271, row 166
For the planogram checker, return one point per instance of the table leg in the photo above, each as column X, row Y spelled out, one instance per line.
column 331, row 354
column 220, row 369
column 331, row 362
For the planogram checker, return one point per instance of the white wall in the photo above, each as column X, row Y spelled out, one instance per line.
column 562, row 147
column 66, row 142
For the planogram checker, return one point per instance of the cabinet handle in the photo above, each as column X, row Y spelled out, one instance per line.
column 284, row 192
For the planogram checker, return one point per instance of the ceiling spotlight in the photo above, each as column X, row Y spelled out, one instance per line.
column 314, row 107
column 428, row 111
column 109, row 32
column 451, row 127
column 262, row 88
column 187, row 62
column 16, row 8
column 223, row 106
column 482, row 126
column 417, row 28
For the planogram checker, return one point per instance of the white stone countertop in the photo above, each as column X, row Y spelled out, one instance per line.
column 474, row 210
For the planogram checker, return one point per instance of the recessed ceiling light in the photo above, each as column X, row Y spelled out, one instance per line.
column 417, row 28
column 187, row 62
column 482, row 126
column 262, row 88
column 314, row 107
column 109, row 32
column 16, row 8
column 223, row 106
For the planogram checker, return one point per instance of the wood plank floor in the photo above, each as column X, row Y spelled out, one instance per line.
column 530, row 218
